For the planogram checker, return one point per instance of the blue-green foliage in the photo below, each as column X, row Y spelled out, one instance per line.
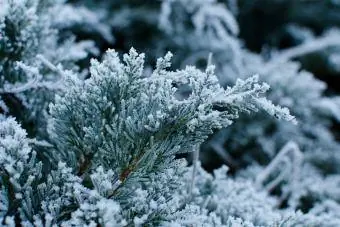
column 119, row 132
column 32, row 52
column 110, row 135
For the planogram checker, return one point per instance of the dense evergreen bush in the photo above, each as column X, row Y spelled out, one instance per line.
column 200, row 137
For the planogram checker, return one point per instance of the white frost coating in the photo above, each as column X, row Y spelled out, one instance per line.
column 139, row 136
column 27, row 31
column 68, row 16
column 331, row 38
column 288, row 161
column 110, row 158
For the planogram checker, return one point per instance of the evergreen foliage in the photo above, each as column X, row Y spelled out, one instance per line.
column 30, row 45
column 104, row 142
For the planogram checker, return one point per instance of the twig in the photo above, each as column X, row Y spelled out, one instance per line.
column 303, row 49
column 290, row 147
column 194, row 170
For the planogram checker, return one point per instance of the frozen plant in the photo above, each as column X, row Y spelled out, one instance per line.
column 19, row 171
column 116, row 131
column 33, row 52
column 133, row 125
column 256, row 140
column 220, row 200
column 116, row 135
column 88, row 117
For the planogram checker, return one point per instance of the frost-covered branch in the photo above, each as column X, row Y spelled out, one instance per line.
column 332, row 38
column 35, row 79
column 97, row 122
column 288, row 161
column 30, row 46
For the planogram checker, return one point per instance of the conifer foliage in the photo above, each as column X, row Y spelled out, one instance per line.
column 134, row 139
